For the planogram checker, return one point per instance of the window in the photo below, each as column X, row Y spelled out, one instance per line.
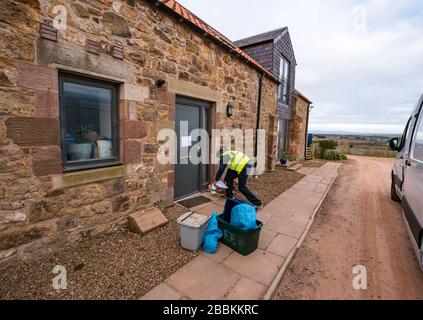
column 406, row 134
column 418, row 145
column 284, row 79
column 88, row 113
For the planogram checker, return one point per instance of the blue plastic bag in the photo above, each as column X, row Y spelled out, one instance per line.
column 212, row 235
column 244, row 217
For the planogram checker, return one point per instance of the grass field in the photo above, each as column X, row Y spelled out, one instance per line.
column 371, row 146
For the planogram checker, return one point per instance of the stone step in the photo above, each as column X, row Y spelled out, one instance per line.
column 296, row 167
column 309, row 154
column 146, row 220
column 291, row 164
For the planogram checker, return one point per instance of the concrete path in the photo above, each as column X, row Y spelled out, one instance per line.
column 229, row 275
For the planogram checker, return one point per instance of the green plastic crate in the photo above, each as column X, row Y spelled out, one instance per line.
column 241, row 241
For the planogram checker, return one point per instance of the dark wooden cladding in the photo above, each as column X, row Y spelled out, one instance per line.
column 48, row 32
column 118, row 52
column 93, row 46
column 262, row 53
column 268, row 49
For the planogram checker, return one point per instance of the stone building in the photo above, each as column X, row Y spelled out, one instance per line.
column 299, row 126
column 85, row 86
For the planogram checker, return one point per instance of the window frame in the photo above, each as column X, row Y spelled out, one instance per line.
column 284, row 82
column 418, row 123
column 405, row 134
column 69, row 166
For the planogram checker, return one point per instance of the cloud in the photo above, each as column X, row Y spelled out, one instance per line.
column 360, row 78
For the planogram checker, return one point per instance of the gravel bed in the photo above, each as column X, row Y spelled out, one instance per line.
column 271, row 184
column 121, row 265
column 313, row 163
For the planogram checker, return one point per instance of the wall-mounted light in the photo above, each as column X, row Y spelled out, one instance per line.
column 160, row 83
column 229, row 110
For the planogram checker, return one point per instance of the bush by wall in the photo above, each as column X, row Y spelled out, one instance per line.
column 327, row 145
column 331, row 154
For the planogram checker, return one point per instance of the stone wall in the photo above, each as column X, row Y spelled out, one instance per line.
column 298, row 128
column 41, row 208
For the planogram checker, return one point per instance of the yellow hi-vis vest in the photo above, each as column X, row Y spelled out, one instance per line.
column 237, row 160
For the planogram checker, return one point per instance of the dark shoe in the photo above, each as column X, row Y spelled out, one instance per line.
column 259, row 206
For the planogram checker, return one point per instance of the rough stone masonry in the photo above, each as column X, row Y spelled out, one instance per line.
column 41, row 207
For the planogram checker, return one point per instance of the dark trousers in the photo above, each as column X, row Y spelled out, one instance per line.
column 231, row 175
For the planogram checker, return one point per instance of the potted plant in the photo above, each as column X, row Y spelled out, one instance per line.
column 284, row 158
column 81, row 147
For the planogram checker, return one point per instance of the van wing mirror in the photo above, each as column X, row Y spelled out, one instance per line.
column 394, row 144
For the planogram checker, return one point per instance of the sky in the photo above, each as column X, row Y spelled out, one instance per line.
column 360, row 62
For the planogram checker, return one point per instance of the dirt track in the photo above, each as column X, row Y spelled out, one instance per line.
column 358, row 224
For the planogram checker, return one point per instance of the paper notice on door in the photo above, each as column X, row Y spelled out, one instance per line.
column 186, row 141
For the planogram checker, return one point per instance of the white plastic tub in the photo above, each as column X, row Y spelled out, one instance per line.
column 192, row 226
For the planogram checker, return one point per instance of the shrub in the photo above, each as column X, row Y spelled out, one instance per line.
column 327, row 145
column 334, row 155
column 285, row 156
column 292, row 158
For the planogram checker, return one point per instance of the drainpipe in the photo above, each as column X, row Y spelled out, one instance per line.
column 258, row 114
column 306, row 132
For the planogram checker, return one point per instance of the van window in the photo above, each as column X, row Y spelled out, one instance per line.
column 406, row 134
column 418, row 146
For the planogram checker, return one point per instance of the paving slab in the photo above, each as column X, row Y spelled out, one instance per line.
column 312, row 178
column 162, row 292
column 321, row 188
column 307, row 171
column 327, row 180
column 287, row 227
column 246, row 289
column 282, row 245
column 266, row 238
column 211, row 196
column 263, row 216
column 222, row 253
column 260, row 266
column 203, row 279
column 210, row 209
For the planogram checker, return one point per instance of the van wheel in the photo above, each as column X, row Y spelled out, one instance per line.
column 394, row 195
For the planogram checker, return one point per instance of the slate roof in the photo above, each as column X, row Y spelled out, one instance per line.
column 264, row 37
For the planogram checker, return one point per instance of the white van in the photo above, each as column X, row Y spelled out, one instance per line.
column 407, row 177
